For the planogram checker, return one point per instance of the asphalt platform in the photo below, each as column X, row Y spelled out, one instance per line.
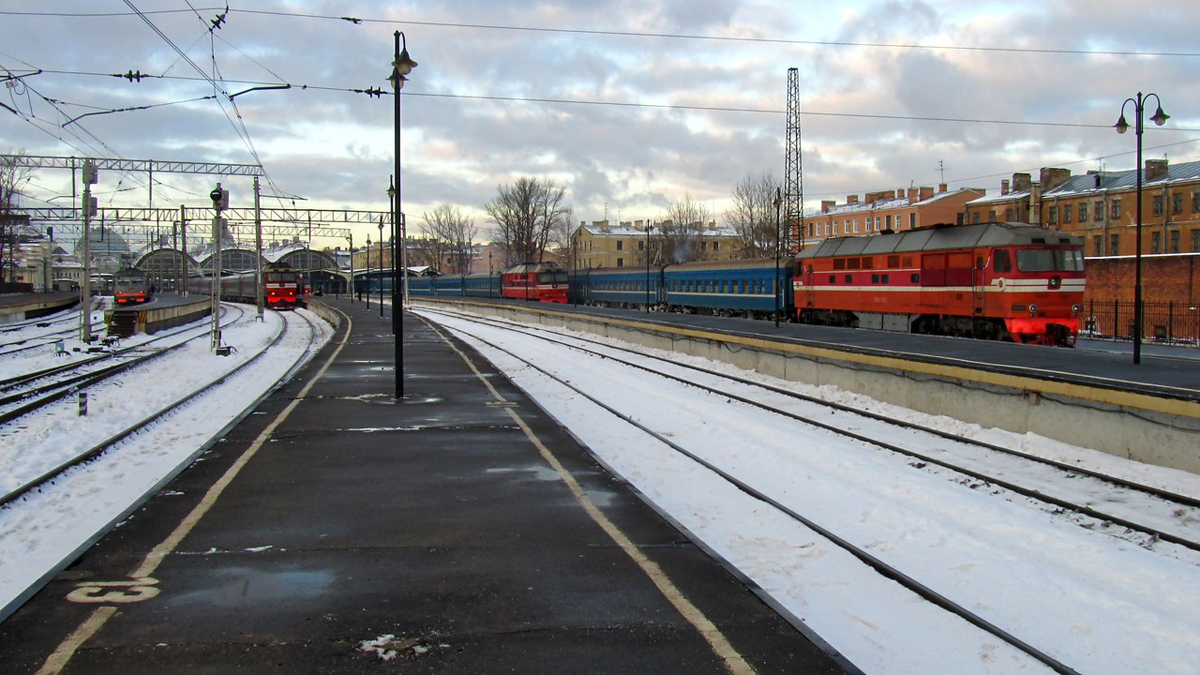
column 436, row 535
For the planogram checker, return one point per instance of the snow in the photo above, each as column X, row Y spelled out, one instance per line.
column 42, row 531
column 1092, row 599
column 1096, row 602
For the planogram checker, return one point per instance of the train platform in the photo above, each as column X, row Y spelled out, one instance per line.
column 20, row 306
column 336, row 530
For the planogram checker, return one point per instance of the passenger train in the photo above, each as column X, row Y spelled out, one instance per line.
column 282, row 286
column 132, row 287
column 998, row 281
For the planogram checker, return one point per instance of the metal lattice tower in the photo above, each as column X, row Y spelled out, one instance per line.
column 793, row 174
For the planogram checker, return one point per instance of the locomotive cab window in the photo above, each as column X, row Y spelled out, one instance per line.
column 1002, row 261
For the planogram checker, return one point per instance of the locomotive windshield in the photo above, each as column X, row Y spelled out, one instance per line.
column 1050, row 260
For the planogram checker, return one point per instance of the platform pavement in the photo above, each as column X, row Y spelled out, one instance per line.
column 437, row 521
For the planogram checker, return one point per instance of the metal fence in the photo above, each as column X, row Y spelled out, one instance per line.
column 1166, row 322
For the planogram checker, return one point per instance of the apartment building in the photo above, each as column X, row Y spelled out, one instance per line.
column 604, row 244
column 902, row 209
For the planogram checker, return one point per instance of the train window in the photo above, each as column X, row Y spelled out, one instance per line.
column 1035, row 260
column 906, row 261
column 893, row 262
column 849, row 279
column 853, row 263
column 839, row 263
column 1001, row 261
column 1069, row 260
column 916, row 278
column 885, row 278
column 874, row 278
column 833, row 278
column 868, row 263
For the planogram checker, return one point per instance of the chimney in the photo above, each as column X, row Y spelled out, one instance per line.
column 942, row 187
column 1155, row 169
column 1052, row 178
column 912, row 195
column 851, row 199
column 1003, row 187
column 926, row 193
column 826, row 205
column 900, row 193
column 1021, row 182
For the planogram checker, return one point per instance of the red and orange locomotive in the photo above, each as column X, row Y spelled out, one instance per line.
column 1000, row 281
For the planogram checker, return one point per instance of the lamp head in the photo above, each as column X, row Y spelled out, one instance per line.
column 1160, row 118
column 1121, row 126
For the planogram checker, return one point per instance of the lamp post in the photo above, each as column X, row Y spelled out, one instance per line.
column 401, row 66
column 381, row 267
column 391, row 192
column 649, row 227
column 367, row 272
column 775, row 283
column 1159, row 118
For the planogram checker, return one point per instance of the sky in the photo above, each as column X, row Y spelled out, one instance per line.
column 630, row 106
column 1100, row 601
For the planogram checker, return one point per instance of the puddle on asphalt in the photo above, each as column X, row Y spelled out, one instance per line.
column 240, row 586
column 534, row 471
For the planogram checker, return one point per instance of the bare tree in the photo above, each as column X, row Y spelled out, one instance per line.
column 682, row 230
column 525, row 214
column 753, row 214
column 13, row 178
column 452, row 233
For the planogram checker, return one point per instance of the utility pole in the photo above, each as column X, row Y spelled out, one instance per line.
column 183, row 262
column 89, row 208
column 258, row 271
column 220, row 199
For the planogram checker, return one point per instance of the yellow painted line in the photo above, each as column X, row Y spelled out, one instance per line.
column 58, row 660
column 1157, row 404
column 734, row 662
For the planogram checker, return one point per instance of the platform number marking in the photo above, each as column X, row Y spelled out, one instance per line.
column 115, row 592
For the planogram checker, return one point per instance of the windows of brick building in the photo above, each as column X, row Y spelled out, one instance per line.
column 1156, row 242
column 1114, row 244
column 1174, row 241
column 1116, row 208
column 1196, row 202
column 1097, row 245
column 1177, row 203
column 1052, row 218
column 1066, row 212
column 1196, row 241
column 1082, row 212
column 1158, row 205
column 1098, row 212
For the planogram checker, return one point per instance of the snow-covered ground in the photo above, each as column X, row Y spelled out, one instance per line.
column 43, row 530
column 1098, row 603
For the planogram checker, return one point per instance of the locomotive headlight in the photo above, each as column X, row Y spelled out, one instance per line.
column 1032, row 309
column 1075, row 309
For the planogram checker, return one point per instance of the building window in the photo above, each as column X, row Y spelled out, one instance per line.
column 1158, row 205
column 1098, row 212
column 1177, row 202
column 1066, row 212
column 1196, row 241
column 912, row 220
column 1053, row 216
column 1082, row 212
column 620, row 247
column 1174, row 241
column 888, row 221
column 1156, row 242
column 1114, row 244
column 1196, row 202
column 620, row 263
column 1008, row 215
column 835, row 231
column 716, row 246
column 1097, row 245
column 1116, row 209
column 975, row 217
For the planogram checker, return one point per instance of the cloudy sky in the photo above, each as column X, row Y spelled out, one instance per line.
column 628, row 105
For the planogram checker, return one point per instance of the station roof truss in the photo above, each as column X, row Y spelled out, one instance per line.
column 277, row 222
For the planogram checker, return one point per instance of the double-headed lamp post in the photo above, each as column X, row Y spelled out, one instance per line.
column 774, row 284
column 401, row 66
column 396, row 306
column 1159, row 117
column 381, row 267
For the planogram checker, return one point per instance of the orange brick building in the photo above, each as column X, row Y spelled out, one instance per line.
column 898, row 210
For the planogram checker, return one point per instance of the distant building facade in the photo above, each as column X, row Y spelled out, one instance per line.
column 627, row 244
column 895, row 211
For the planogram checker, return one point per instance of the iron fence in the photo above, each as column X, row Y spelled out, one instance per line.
column 1166, row 322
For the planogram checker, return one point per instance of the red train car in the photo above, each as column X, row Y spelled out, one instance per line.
column 131, row 287
column 281, row 286
column 1001, row 281
column 544, row 282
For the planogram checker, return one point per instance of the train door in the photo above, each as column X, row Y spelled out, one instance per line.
column 977, row 285
column 933, row 281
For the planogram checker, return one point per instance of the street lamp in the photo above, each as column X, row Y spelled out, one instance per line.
column 367, row 272
column 381, row 267
column 1159, row 118
column 401, row 66
column 391, row 192
column 775, row 283
column 649, row 228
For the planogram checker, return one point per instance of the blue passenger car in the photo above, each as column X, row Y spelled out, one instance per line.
column 620, row 286
column 731, row 287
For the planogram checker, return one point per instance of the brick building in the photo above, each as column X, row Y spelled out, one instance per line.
column 601, row 244
column 898, row 210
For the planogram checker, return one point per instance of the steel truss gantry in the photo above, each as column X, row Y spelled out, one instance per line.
column 132, row 165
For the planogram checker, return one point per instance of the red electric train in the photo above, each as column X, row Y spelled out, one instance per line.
column 544, row 282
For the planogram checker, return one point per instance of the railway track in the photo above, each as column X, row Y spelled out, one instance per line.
column 46, row 339
column 19, row 483
column 1157, row 513
column 1169, row 514
column 28, row 392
